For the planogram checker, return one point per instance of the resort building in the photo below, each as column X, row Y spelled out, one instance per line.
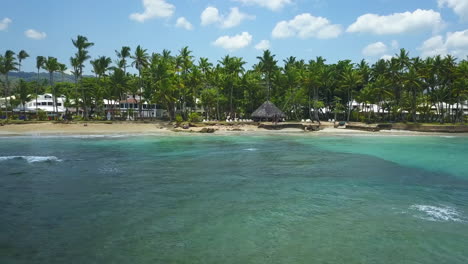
column 45, row 103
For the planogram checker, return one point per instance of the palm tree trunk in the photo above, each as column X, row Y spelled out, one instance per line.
column 76, row 96
column 414, row 105
column 7, row 91
column 316, row 113
column 232, row 93
column 37, row 91
column 349, row 105
column 85, row 108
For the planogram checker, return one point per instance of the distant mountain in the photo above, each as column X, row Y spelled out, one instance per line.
column 31, row 76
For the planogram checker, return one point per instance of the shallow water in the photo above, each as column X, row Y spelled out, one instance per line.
column 234, row 199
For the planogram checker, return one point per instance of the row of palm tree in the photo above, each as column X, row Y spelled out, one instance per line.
column 403, row 88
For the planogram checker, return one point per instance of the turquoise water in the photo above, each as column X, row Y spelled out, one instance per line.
column 234, row 199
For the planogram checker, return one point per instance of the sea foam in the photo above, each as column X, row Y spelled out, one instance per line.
column 31, row 159
column 435, row 213
column 251, row 149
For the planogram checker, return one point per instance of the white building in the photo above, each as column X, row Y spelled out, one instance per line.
column 45, row 103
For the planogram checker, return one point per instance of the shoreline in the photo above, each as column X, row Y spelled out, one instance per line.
column 50, row 129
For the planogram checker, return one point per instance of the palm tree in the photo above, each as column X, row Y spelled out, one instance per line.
column 8, row 64
column 82, row 44
column 22, row 55
column 52, row 65
column 350, row 81
column 267, row 66
column 23, row 94
column 62, row 69
column 184, row 63
column 233, row 67
column 412, row 82
column 140, row 61
column 74, row 62
column 100, row 66
column 123, row 54
column 39, row 64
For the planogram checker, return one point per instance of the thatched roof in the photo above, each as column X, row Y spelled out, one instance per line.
column 268, row 110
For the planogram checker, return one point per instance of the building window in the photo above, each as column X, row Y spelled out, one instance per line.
column 43, row 103
column 59, row 104
column 50, row 103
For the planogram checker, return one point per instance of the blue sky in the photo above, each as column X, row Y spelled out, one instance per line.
column 334, row 29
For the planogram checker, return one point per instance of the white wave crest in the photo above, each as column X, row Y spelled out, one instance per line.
column 435, row 213
column 31, row 159
column 251, row 149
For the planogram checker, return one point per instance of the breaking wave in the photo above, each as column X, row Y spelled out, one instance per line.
column 31, row 159
column 435, row 213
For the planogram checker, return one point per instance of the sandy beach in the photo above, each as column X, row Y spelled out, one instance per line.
column 50, row 128
column 116, row 128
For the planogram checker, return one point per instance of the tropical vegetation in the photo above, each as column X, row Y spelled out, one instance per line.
column 403, row 88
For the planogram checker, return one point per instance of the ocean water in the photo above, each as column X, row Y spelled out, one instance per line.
column 234, row 199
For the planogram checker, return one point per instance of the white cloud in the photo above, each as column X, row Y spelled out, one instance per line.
column 460, row 7
column 69, row 71
column 397, row 23
column 375, row 49
column 211, row 15
column 34, row 34
column 154, row 9
column 386, row 57
column 4, row 23
column 270, row 4
column 263, row 45
column 182, row 22
column 454, row 43
column 306, row 26
column 233, row 43
column 433, row 46
column 380, row 48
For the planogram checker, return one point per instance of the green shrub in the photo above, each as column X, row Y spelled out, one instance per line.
column 194, row 117
column 77, row 118
column 41, row 115
column 179, row 119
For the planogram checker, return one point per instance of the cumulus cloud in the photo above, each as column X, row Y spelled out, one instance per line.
column 397, row 23
column 34, row 34
column 460, row 7
column 454, row 43
column 263, row 45
column 375, row 49
column 4, row 23
column 306, row 26
column 211, row 15
column 380, row 49
column 182, row 22
column 270, row 4
column 235, row 42
column 386, row 57
column 153, row 9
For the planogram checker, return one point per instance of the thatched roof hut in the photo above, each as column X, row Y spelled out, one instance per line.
column 268, row 111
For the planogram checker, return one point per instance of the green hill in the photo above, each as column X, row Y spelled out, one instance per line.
column 31, row 76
